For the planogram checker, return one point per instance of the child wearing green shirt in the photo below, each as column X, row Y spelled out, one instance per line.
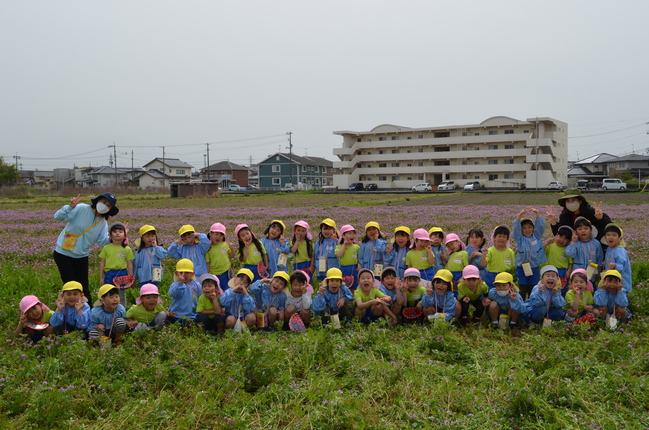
column 208, row 309
column 148, row 310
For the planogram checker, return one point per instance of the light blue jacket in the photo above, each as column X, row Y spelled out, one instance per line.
column 477, row 260
column 263, row 296
column 544, row 298
column 79, row 219
column 70, row 315
column 237, row 304
column 145, row 260
column 326, row 248
column 529, row 249
column 184, row 298
column 397, row 259
column 446, row 300
column 320, row 302
column 99, row 316
column 610, row 300
column 620, row 258
column 273, row 249
column 506, row 303
column 372, row 252
column 583, row 253
column 196, row 253
column 437, row 252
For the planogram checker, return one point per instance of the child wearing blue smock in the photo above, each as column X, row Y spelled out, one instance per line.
column 439, row 298
column 436, row 235
column 184, row 293
column 325, row 248
column 108, row 317
column 372, row 252
column 546, row 300
column 585, row 250
column 616, row 256
column 396, row 250
column 530, row 253
column 610, row 298
column 238, row 304
column 333, row 296
column 148, row 257
column 277, row 248
column 505, row 300
column 270, row 297
column 193, row 246
column 476, row 249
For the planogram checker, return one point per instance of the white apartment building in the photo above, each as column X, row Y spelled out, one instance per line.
column 500, row 152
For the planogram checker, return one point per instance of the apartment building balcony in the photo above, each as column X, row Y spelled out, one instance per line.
column 540, row 158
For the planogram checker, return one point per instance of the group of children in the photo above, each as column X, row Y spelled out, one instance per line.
column 409, row 278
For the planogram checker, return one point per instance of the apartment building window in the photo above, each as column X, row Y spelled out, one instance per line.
column 409, row 165
column 276, row 168
column 477, row 148
column 396, row 151
column 493, row 177
column 476, row 134
column 509, row 131
column 276, row 181
column 509, row 161
column 381, row 151
column 420, row 150
column 324, row 181
column 475, row 163
column 464, row 162
column 420, row 177
column 369, row 152
column 509, row 176
column 464, row 133
column 493, row 161
column 409, row 137
column 317, row 181
column 369, row 166
column 409, row 178
column 395, row 178
column 443, row 134
column 442, row 149
column 493, row 146
column 383, row 164
column 421, row 136
column 358, row 140
column 464, row 147
column 383, row 178
column 493, row 132
column 420, row 163
column 324, row 169
column 396, row 137
column 410, row 150
column 395, row 164
column 510, row 146
column 303, row 169
column 526, row 131
column 381, row 139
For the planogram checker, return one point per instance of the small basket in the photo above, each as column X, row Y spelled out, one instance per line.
column 411, row 312
column 262, row 271
column 348, row 281
column 124, row 282
column 295, row 323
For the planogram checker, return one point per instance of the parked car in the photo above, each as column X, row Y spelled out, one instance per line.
column 371, row 187
column 554, row 185
column 583, row 184
column 613, row 184
column 473, row 186
column 288, row 187
column 446, row 186
column 234, row 187
column 422, row 187
column 356, row 186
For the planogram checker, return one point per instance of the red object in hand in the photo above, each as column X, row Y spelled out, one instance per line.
column 124, row 282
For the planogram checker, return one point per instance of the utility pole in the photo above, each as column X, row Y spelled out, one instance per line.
column 536, row 163
column 208, row 161
column 114, row 160
column 132, row 168
column 16, row 158
column 290, row 156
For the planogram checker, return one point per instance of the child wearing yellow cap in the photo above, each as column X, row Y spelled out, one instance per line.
column 325, row 248
column 192, row 246
column 184, row 292
column 108, row 317
column 333, row 297
column 504, row 299
column 148, row 257
column 72, row 310
column 238, row 304
column 610, row 298
column 372, row 252
column 270, row 297
column 439, row 298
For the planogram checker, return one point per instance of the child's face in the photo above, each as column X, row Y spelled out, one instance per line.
column 209, row 287
column 148, row 238
column 333, row 285
column 412, row 282
column 389, row 281
column 35, row 313
column 276, row 285
column 422, row 244
column 472, row 283
column 501, row 239
column 245, row 236
column 117, row 235
column 550, row 279
column 184, row 277
column 440, row 286
column 326, row 231
column 188, row 238
column 300, row 232
column 578, row 283
column 350, row 236
column 583, row 232
column 110, row 301
column 241, row 282
column 475, row 241
column 274, row 231
column 366, row 281
column 149, row 301
column 401, row 239
column 298, row 288
column 372, row 233
column 612, row 283
column 436, row 239
column 527, row 229
column 502, row 286
column 72, row 297
column 561, row 241
column 217, row 237
column 612, row 238
column 453, row 246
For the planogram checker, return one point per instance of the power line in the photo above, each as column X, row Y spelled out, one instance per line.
column 609, row 132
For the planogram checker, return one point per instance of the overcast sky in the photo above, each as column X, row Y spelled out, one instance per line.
column 78, row 76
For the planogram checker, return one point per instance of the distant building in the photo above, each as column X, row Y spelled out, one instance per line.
column 226, row 173
column 500, row 152
column 635, row 164
column 106, row 176
column 43, row 179
column 280, row 169
column 174, row 168
column 153, row 178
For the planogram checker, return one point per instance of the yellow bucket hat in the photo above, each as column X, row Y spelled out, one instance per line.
column 72, row 285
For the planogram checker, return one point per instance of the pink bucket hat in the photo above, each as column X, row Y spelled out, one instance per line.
column 304, row 225
column 412, row 272
column 470, row 271
column 28, row 302
column 589, row 286
column 146, row 290
column 344, row 229
column 217, row 227
column 420, row 234
column 451, row 237
column 309, row 287
column 238, row 228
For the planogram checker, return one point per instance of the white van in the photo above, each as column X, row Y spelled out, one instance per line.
column 446, row 186
column 613, row 184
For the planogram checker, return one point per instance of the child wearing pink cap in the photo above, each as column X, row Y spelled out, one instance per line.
column 219, row 255
column 277, row 247
column 471, row 292
column 455, row 259
column 421, row 255
column 347, row 252
column 251, row 250
column 579, row 300
column 302, row 247
column 147, row 311
column 34, row 319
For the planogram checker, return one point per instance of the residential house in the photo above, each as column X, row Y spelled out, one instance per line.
column 177, row 170
column 153, row 178
column 280, row 169
column 226, row 173
column 106, row 176
column 593, row 168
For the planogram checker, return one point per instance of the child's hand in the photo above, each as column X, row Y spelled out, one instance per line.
column 388, row 248
column 74, row 201
column 321, row 290
column 154, row 242
column 429, row 247
column 282, row 240
column 23, row 319
column 429, row 290
column 171, row 314
column 611, row 265
column 131, row 324
column 512, row 294
column 466, row 299
column 486, row 302
column 574, row 237
column 266, row 280
column 598, row 211
column 588, row 308
column 340, row 303
column 100, row 327
column 60, row 303
column 475, row 254
column 541, row 287
column 555, row 290
column 79, row 306
column 549, row 214
column 535, row 211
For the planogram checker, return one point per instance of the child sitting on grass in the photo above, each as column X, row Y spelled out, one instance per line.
column 610, row 298
column 504, row 299
column 208, row 309
column 546, row 300
column 34, row 319
column 148, row 310
column 471, row 291
column 579, row 300
column 184, row 293
column 391, row 286
column 270, row 297
column 298, row 300
column 333, row 296
column 413, row 292
column 72, row 311
column 107, row 318
column 439, row 301
column 370, row 301
column 238, row 304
